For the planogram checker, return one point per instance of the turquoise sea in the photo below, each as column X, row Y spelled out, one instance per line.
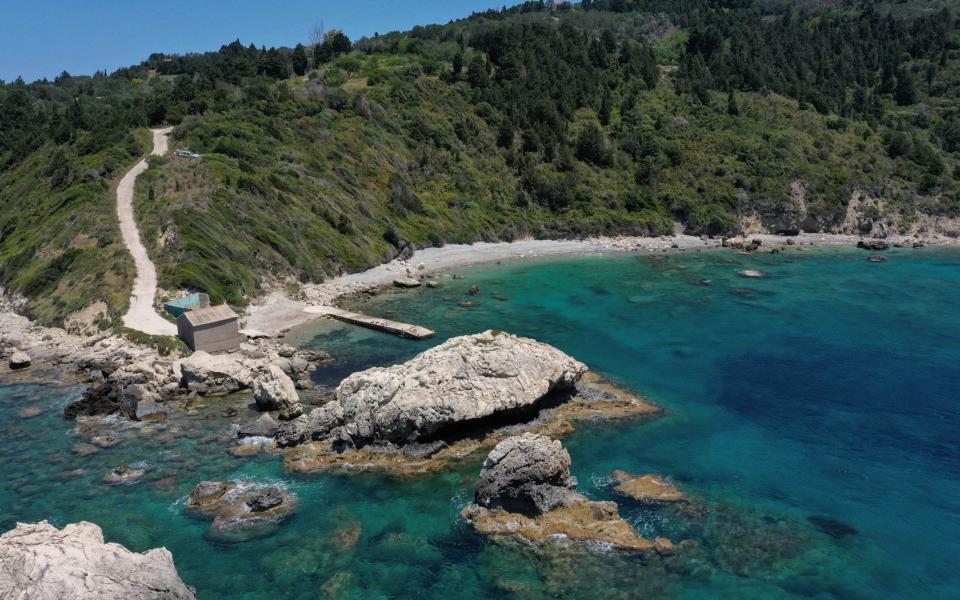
column 812, row 415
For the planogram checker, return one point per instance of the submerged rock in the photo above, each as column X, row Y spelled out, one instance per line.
column 123, row 475
column 40, row 561
column 648, row 489
column 525, row 488
column 832, row 527
column 241, row 510
column 457, row 383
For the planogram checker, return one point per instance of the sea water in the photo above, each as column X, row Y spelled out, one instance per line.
column 811, row 417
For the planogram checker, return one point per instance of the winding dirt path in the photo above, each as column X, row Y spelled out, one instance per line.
column 141, row 316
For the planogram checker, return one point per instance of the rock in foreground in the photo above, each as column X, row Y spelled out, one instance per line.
column 527, row 474
column 39, row 561
column 526, row 489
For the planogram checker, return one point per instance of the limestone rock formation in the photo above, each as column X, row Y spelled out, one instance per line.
column 525, row 488
column 273, row 390
column 462, row 381
column 319, row 423
column 40, row 562
column 528, row 474
column 226, row 371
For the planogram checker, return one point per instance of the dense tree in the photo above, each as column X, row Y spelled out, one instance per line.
column 299, row 60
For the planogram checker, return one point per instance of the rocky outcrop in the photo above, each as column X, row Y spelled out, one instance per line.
column 273, row 390
column 528, row 474
column 744, row 244
column 264, row 426
column 41, row 562
column 323, row 444
column 124, row 475
column 647, row 489
column 873, row 244
column 525, row 488
column 406, row 282
column 211, row 373
column 20, row 360
column 318, row 424
column 241, row 510
column 458, row 383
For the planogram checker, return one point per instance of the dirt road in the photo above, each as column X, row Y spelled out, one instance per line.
column 141, row 316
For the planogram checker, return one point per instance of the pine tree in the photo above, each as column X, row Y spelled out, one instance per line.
column 299, row 60
column 733, row 109
column 505, row 133
column 906, row 92
column 457, row 64
column 606, row 107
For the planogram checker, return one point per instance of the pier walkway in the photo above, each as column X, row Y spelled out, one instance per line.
column 386, row 325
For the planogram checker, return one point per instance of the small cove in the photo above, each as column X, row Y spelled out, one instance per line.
column 825, row 389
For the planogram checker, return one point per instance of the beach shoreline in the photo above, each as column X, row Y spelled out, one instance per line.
column 276, row 313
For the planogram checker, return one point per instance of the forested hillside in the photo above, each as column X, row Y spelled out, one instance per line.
column 614, row 116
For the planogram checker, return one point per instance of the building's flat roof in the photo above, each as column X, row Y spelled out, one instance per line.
column 212, row 314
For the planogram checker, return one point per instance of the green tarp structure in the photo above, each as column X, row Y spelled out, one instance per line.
column 187, row 303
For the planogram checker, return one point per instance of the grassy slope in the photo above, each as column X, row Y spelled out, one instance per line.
column 60, row 242
column 309, row 177
column 295, row 188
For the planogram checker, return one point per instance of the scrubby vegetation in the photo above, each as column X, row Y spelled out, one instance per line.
column 614, row 116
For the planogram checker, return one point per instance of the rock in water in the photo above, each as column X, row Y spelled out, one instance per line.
column 39, row 561
column 406, row 282
column 20, row 360
column 874, row 244
column 527, row 474
column 241, row 510
column 273, row 390
column 525, row 488
column 265, row 426
column 455, row 384
column 648, row 489
column 832, row 527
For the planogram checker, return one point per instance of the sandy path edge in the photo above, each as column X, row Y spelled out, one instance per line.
column 141, row 315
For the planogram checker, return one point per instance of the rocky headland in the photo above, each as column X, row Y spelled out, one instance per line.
column 40, row 562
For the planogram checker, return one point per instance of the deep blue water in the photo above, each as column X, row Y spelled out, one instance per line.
column 828, row 388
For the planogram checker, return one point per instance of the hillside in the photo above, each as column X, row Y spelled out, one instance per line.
column 615, row 116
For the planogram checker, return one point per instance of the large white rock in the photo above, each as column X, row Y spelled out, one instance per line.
column 273, row 390
column 41, row 562
column 462, row 380
column 215, row 370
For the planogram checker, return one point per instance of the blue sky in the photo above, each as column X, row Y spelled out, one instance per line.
column 41, row 38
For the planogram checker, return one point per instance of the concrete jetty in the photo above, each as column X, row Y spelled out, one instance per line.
column 386, row 325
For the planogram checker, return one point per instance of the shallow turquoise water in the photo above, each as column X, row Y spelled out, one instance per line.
column 827, row 388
